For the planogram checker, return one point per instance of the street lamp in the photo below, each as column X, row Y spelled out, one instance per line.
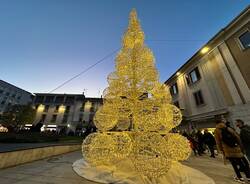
column 61, row 109
column 40, row 108
column 88, row 105
column 204, row 50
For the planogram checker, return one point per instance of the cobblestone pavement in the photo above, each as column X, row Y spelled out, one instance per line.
column 58, row 170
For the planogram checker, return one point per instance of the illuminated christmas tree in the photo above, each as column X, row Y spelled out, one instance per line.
column 136, row 118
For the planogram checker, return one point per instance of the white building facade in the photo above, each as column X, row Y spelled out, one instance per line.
column 215, row 82
column 65, row 112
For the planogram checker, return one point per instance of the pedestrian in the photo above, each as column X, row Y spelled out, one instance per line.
column 200, row 140
column 229, row 144
column 193, row 145
column 228, row 124
column 209, row 140
column 244, row 136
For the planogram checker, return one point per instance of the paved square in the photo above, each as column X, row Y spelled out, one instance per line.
column 58, row 170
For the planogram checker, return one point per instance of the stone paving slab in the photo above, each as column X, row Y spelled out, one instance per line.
column 213, row 167
column 55, row 170
column 58, row 170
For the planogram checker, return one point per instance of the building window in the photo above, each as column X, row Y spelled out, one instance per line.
column 1, row 91
column 59, row 99
column 4, row 101
column 193, row 76
column 38, row 99
column 46, row 109
column 43, row 118
column 91, row 117
column 67, row 109
column 7, row 93
column 82, row 109
column 57, row 108
column 80, row 117
column 65, row 118
column 70, row 100
column 198, row 98
column 174, row 89
column 245, row 40
column 49, row 99
column 176, row 103
column 92, row 109
column 53, row 119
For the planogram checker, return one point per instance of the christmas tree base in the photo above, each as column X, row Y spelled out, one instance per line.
column 124, row 173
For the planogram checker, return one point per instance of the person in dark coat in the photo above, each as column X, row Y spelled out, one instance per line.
column 209, row 140
column 200, row 140
column 193, row 145
column 232, row 153
column 244, row 136
column 228, row 124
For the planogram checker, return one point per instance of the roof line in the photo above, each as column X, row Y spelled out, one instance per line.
column 78, row 94
column 15, row 86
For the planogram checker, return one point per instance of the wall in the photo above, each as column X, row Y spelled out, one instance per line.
column 225, row 78
column 242, row 57
column 212, row 84
column 13, row 158
column 240, row 112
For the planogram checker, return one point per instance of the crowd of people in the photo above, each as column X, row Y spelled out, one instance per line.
column 200, row 142
column 233, row 145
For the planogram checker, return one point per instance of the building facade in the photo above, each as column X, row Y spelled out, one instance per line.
column 12, row 95
column 65, row 112
column 215, row 82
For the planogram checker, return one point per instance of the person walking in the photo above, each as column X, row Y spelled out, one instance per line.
column 193, row 144
column 244, row 136
column 229, row 144
column 200, row 140
column 209, row 140
column 228, row 124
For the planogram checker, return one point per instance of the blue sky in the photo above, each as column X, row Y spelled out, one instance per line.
column 45, row 42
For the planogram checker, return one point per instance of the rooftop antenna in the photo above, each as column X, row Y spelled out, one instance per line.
column 99, row 92
column 84, row 91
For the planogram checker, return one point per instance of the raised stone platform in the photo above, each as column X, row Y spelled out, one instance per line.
column 13, row 158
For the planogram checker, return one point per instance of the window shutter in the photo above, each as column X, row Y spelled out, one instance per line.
column 201, row 98
column 197, row 73
column 196, row 99
column 171, row 90
column 187, row 79
column 176, row 88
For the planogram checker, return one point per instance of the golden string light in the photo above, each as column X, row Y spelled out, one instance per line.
column 136, row 117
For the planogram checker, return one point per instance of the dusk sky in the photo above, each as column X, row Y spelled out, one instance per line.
column 45, row 42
